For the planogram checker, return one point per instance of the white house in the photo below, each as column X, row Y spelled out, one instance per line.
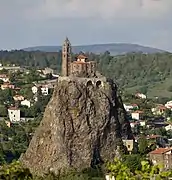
column 168, row 105
column 44, row 90
column 142, row 123
column 169, row 127
column 48, row 71
column 134, row 124
column 26, row 103
column 128, row 107
column 140, row 95
column 14, row 114
column 109, row 177
column 137, row 115
column 34, row 89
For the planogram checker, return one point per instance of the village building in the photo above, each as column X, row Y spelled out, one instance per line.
column 162, row 156
column 14, row 114
column 47, row 70
column 7, row 86
column 26, row 103
column 159, row 109
column 134, row 124
column 80, row 67
column 168, row 105
column 140, row 95
column 129, row 144
column 18, row 98
column 130, row 107
column 43, row 88
column 137, row 115
column 4, row 78
column 168, row 127
column 34, row 89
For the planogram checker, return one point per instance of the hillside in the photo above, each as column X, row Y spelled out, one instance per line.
column 147, row 73
column 114, row 49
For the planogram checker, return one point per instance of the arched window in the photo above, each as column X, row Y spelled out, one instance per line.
column 98, row 84
column 89, row 83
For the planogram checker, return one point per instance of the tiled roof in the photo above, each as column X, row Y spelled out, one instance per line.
column 81, row 56
column 13, row 108
column 3, row 76
column 162, row 107
column 160, row 150
column 79, row 62
column 153, row 136
column 134, row 104
column 138, row 112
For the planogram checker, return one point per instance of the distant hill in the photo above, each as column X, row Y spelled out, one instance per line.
column 114, row 48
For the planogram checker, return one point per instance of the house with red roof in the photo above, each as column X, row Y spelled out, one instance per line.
column 159, row 109
column 162, row 156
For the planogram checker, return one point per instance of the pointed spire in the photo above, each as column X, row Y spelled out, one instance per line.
column 67, row 41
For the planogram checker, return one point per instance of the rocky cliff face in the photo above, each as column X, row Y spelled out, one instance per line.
column 82, row 126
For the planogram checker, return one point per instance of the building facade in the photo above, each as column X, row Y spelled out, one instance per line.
column 26, row 103
column 162, row 156
column 14, row 114
column 80, row 67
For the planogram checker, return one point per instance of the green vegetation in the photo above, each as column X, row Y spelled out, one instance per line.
column 14, row 140
column 117, row 168
column 147, row 73
column 122, row 172
column 15, row 171
column 31, row 59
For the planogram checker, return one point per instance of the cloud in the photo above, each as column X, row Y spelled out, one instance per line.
column 101, row 8
column 40, row 22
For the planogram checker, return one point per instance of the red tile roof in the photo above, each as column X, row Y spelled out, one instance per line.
column 3, row 76
column 153, row 136
column 162, row 107
column 134, row 104
column 138, row 112
column 160, row 150
column 81, row 56
column 79, row 62
column 13, row 108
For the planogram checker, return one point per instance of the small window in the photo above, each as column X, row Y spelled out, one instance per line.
column 128, row 146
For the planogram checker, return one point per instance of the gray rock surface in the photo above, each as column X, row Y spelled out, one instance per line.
column 83, row 124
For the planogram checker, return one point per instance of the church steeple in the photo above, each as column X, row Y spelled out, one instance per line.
column 66, row 57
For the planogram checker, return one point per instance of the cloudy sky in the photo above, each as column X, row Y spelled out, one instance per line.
column 25, row 23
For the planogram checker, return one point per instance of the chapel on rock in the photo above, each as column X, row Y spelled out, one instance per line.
column 80, row 67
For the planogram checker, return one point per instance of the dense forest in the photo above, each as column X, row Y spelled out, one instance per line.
column 31, row 59
column 148, row 73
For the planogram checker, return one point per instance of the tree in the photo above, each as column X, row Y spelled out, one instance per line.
column 133, row 161
column 3, row 111
column 147, row 172
column 27, row 92
column 143, row 145
column 169, row 88
column 1, row 82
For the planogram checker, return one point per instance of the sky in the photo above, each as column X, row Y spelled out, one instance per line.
column 27, row 23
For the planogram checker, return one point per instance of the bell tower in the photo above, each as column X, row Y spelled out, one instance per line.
column 66, row 57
